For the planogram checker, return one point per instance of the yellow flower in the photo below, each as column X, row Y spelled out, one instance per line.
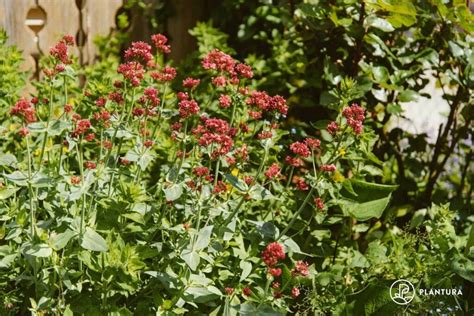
column 235, row 172
column 57, row 112
column 338, row 177
column 342, row 152
column 65, row 149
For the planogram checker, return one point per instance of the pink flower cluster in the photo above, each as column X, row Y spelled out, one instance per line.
column 188, row 108
column 215, row 131
column 355, row 116
column 266, row 103
column 225, row 64
column 273, row 171
column 300, row 149
column 167, row 74
column 132, row 71
column 273, row 253
column 82, row 127
column 60, row 50
column 301, row 268
column 140, row 51
column 328, row 168
column 159, row 41
column 332, row 128
column 25, row 110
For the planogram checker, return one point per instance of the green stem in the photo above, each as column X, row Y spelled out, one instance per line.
column 157, row 124
column 290, row 177
column 30, row 190
column 295, row 217
column 217, row 171
column 45, row 139
column 236, row 210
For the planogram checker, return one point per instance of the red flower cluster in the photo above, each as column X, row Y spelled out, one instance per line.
column 90, row 165
column 60, row 50
column 294, row 161
column 301, row 268
column 332, row 128
column 25, row 110
column 218, row 60
column 140, row 51
column 187, row 108
column 167, row 74
column 312, row 143
column 319, row 203
column 132, row 71
column 273, row 171
column 220, row 187
column 82, row 127
column 273, row 253
column 159, row 41
column 215, row 131
column 201, row 171
column 266, row 103
column 191, row 83
column 276, row 272
column 355, row 116
column 328, row 168
column 244, row 70
column 225, row 101
column 295, row 292
column 300, row 149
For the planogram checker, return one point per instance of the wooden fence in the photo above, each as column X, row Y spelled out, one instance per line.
column 36, row 25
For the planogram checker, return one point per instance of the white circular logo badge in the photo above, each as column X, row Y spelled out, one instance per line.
column 402, row 292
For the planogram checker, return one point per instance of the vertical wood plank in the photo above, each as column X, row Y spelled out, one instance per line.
column 188, row 12
column 98, row 19
column 62, row 18
column 12, row 19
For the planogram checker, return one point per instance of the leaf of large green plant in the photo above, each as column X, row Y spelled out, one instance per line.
column 370, row 201
column 91, row 240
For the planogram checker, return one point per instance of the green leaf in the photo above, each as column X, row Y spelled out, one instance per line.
column 236, row 182
column 191, row 257
column 367, row 210
column 38, row 250
column 380, row 74
column 7, row 192
column 60, row 240
column 200, row 294
column 57, row 127
column 246, row 269
column 8, row 160
column 37, row 127
column 463, row 267
column 379, row 23
column 408, row 95
column 370, row 201
column 204, row 237
column 173, row 192
column 91, row 240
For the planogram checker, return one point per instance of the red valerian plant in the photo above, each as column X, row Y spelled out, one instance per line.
column 133, row 194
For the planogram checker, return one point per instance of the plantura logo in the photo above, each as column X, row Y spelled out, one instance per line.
column 402, row 292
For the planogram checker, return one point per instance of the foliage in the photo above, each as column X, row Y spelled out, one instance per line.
column 130, row 197
column 12, row 80
column 303, row 50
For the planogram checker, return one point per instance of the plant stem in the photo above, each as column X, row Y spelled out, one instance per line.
column 295, row 217
column 30, row 190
